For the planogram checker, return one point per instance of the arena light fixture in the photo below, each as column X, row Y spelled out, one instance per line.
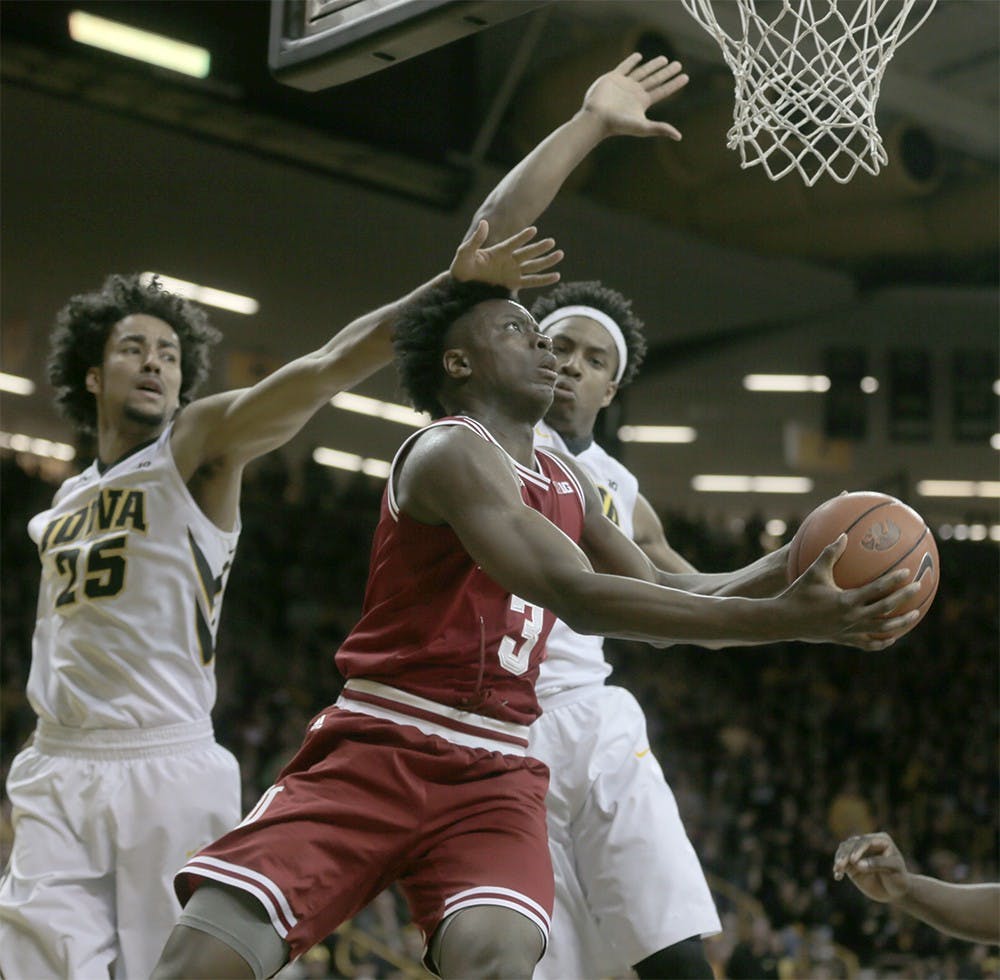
column 969, row 532
column 390, row 411
column 657, row 433
column 351, row 462
column 787, row 382
column 734, row 483
column 21, row 443
column 16, row 385
column 958, row 488
column 207, row 295
column 131, row 42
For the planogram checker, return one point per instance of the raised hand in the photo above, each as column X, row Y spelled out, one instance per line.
column 621, row 97
column 860, row 617
column 516, row 262
column 874, row 864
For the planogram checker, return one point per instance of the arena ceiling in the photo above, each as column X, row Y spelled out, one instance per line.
column 323, row 204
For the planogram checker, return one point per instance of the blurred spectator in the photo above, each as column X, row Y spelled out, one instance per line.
column 762, row 746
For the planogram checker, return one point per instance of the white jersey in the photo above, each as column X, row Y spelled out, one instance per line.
column 572, row 659
column 133, row 575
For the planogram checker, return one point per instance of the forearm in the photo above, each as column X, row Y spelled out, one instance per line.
column 763, row 578
column 245, row 424
column 365, row 344
column 967, row 911
column 610, row 605
column 525, row 193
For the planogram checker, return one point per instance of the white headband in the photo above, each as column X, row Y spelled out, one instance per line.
column 565, row 312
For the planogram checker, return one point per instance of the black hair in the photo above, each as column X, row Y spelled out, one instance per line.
column 419, row 340
column 601, row 297
column 84, row 323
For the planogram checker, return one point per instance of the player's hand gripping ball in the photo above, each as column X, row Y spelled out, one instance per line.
column 882, row 534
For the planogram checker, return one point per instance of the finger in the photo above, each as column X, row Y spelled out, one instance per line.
column 662, row 75
column 539, row 280
column 827, row 558
column 653, row 128
column 628, row 64
column 885, row 605
column 887, row 584
column 644, row 71
column 894, row 627
column 840, row 858
column 667, row 89
column 476, row 239
column 518, row 239
column 868, row 643
column 534, row 249
column 542, row 262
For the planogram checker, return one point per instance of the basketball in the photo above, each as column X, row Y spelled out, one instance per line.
column 883, row 533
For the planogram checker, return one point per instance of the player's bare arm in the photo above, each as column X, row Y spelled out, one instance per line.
column 875, row 865
column 216, row 437
column 452, row 477
column 615, row 105
column 648, row 555
column 648, row 534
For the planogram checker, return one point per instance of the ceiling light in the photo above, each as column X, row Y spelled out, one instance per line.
column 349, row 461
column 657, row 433
column 995, row 440
column 155, row 49
column 719, row 483
column 21, row 443
column 390, row 411
column 958, row 488
column 16, row 385
column 869, row 385
column 786, row 382
column 204, row 294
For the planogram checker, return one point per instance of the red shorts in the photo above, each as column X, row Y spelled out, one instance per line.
column 367, row 802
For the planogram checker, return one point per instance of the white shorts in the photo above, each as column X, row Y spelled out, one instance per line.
column 102, row 820
column 628, row 882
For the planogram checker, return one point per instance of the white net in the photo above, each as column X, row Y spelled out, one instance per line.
column 808, row 76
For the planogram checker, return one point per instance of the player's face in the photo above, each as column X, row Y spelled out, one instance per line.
column 588, row 361
column 509, row 362
column 139, row 380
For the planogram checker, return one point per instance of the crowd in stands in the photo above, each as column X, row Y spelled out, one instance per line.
column 774, row 753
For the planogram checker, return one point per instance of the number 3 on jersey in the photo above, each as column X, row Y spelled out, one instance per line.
column 515, row 655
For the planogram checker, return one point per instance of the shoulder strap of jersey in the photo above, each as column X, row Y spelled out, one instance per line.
column 570, row 474
column 462, row 420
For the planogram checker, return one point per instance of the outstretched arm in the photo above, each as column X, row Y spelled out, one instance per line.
column 615, row 105
column 215, row 437
column 761, row 579
column 875, row 865
column 452, row 477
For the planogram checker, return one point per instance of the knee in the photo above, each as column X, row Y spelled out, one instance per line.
column 487, row 944
column 190, row 954
column 685, row 960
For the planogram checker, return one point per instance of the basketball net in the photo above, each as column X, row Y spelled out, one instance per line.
column 808, row 76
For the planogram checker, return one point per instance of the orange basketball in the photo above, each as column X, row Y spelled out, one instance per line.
column 882, row 534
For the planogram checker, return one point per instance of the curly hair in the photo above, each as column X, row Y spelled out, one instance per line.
column 601, row 297
column 419, row 340
column 84, row 323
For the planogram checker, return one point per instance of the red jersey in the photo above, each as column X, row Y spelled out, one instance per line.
column 437, row 626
